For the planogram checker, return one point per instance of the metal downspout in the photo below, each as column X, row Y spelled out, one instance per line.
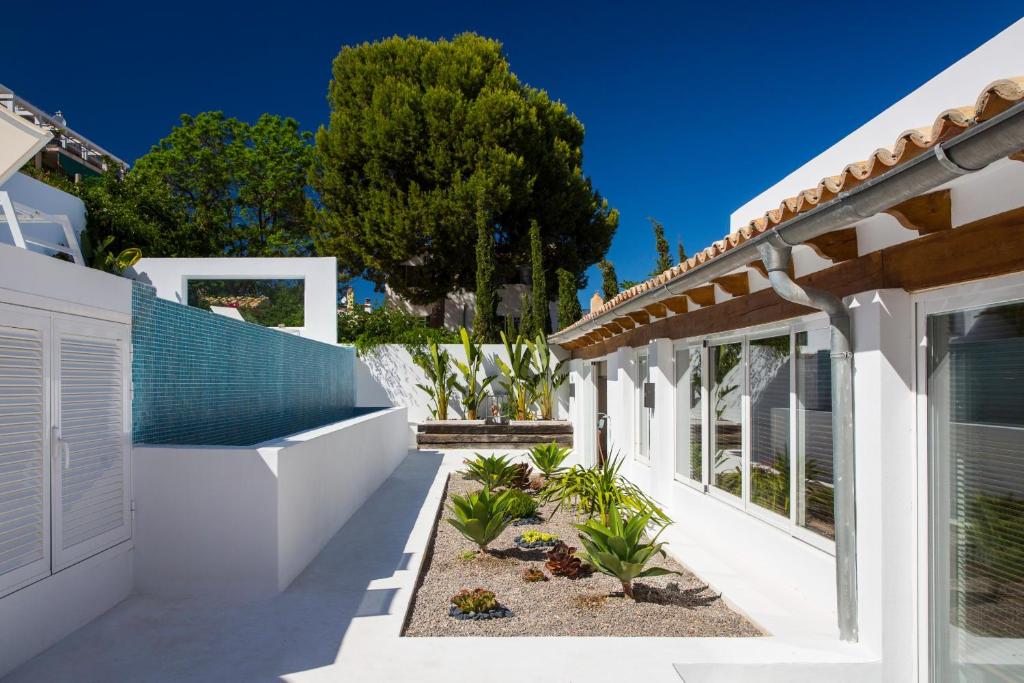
column 777, row 256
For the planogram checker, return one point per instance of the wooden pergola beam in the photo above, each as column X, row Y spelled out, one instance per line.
column 677, row 304
column 657, row 309
column 1018, row 156
column 703, row 295
column 640, row 317
column 736, row 284
column 836, row 246
column 626, row 322
column 613, row 326
column 927, row 214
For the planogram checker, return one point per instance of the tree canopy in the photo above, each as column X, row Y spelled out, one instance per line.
column 239, row 188
column 419, row 131
column 664, row 260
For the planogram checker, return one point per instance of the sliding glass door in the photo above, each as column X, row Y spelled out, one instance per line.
column 975, row 399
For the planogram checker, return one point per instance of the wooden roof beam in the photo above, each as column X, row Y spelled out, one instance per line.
column 932, row 212
column 735, row 284
column 836, row 246
column 703, row 295
column 613, row 327
column 640, row 317
column 657, row 309
column 677, row 304
column 625, row 322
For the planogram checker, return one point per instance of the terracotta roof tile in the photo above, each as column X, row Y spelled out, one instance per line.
column 996, row 98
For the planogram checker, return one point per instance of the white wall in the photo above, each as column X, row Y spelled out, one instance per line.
column 957, row 86
column 170, row 277
column 245, row 521
column 46, row 199
column 387, row 376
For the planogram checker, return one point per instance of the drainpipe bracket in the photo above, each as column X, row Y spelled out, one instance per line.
column 841, row 355
column 949, row 164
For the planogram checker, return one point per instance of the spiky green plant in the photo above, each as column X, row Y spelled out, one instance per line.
column 480, row 516
column 548, row 458
column 436, row 365
column 548, row 378
column 596, row 491
column 493, row 471
column 470, row 388
column 518, row 378
column 521, row 504
column 618, row 549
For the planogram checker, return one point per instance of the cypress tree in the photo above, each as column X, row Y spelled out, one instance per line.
column 682, row 251
column 569, row 310
column 485, row 321
column 664, row 261
column 609, row 279
column 527, row 325
column 539, row 292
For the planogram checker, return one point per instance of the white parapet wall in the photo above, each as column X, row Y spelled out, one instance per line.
column 243, row 522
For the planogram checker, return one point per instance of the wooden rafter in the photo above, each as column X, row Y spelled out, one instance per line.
column 626, row 322
column 640, row 317
column 658, row 309
column 703, row 295
column 1017, row 156
column 613, row 326
column 736, row 284
column 677, row 304
column 836, row 246
column 932, row 212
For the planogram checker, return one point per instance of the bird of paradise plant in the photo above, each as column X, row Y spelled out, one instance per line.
column 519, row 379
column 436, row 365
column 548, row 378
column 471, row 390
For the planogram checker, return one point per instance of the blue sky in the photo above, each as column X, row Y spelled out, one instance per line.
column 690, row 108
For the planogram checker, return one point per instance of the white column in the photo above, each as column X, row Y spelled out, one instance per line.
column 663, row 419
column 883, row 340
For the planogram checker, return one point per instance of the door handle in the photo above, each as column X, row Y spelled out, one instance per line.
column 62, row 450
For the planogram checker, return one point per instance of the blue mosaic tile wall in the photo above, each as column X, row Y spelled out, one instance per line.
column 201, row 378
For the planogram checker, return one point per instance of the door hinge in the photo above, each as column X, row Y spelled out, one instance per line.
column 131, row 505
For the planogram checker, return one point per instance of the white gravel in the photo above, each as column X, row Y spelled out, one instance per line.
column 593, row 606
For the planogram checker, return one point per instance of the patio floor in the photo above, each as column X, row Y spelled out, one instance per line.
column 341, row 620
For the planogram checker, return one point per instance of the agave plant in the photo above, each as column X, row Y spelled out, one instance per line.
column 481, row 516
column 492, row 471
column 471, row 389
column 619, row 549
column 548, row 378
column 548, row 458
column 519, row 379
column 436, row 364
column 596, row 491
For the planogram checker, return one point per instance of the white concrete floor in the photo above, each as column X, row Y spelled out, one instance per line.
column 341, row 620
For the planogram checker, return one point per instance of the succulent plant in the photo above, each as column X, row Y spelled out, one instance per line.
column 548, row 458
column 481, row 516
column 521, row 478
column 521, row 504
column 492, row 471
column 475, row 601
column 563, row 562
column 533, row 575
column 532, row 536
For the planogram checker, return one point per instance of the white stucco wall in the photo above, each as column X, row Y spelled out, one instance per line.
column 170, row 277
column 46, row 199
column 243, row 522
column 957, row 86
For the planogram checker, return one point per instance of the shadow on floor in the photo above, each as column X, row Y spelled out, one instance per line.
column 156, row 639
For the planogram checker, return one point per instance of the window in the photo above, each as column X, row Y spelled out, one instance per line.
column 769, row 382
column 643, row 376
column 814, row 433
column 271, row 303
column 726, row 417
column 689, row 418
column 975, row 394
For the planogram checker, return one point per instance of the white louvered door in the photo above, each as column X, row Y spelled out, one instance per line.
column 24, row 448
column 90, row 467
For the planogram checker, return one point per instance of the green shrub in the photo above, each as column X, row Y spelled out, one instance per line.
column 619, row 549
column 477, row 600
column 521, row 504
column 481, row 516
column 548, row 458
column 595, row 491
column 492, row 471
column 537, row 537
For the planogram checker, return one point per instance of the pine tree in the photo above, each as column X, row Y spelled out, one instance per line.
column 569, row 310
column 664, row 261
column 682, row 251
column 485, row 321
column 539, row 293
column 609, row 280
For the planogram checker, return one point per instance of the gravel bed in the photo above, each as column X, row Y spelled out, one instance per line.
column 592, row 606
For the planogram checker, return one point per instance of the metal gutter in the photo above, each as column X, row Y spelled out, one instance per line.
column 970, row 151
column 778, row 257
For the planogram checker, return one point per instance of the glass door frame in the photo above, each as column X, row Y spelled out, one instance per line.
column 933, row 541
column 691, row 346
